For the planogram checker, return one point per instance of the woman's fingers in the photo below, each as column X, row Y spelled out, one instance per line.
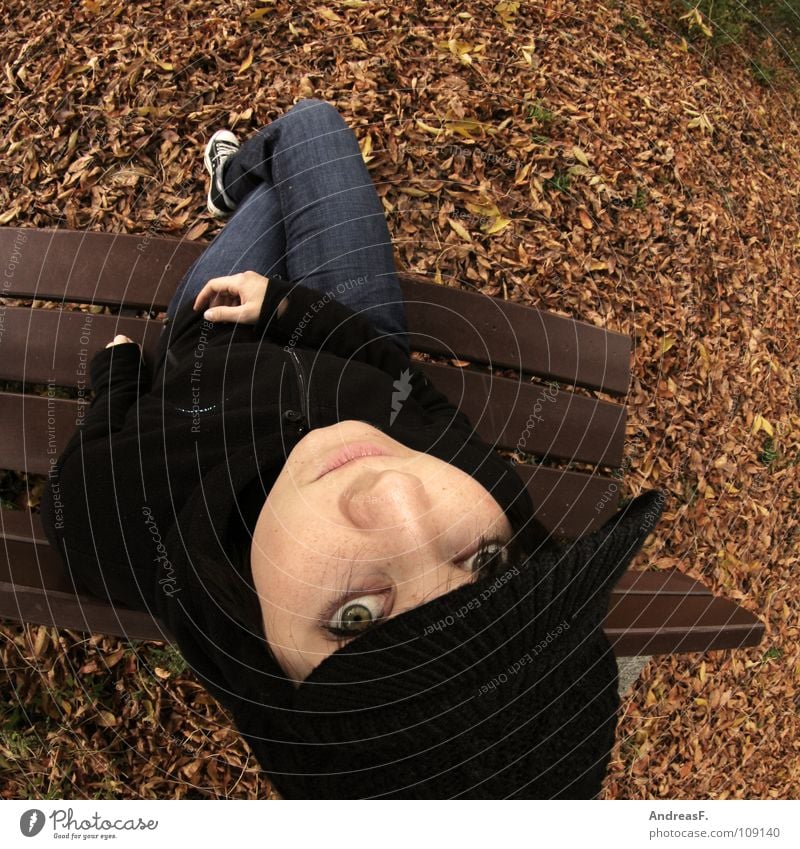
column 237, row 298
column 218, row 286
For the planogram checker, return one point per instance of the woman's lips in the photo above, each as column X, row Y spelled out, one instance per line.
column 353, row 451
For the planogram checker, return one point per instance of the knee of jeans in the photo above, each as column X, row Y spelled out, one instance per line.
column 320, row 112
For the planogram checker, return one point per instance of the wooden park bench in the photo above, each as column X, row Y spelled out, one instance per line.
column 651, row 612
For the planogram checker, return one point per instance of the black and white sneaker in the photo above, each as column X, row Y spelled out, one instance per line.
column 221, row 146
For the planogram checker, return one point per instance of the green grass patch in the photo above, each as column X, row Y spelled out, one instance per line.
column 559, row 182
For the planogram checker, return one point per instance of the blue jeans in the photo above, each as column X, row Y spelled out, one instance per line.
column 306, row 210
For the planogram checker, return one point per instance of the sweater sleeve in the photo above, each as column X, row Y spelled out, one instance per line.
column 118, row 376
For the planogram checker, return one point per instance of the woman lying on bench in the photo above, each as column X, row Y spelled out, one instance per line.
column 347, row 567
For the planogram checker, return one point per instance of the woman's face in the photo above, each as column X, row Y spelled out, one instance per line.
column 336, row 549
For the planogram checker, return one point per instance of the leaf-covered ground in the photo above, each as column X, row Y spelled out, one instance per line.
column 579, row 157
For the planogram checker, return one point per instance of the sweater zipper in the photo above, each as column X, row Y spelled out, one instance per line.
column 301, row 379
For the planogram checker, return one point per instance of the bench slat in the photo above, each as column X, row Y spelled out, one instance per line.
column 652, row 623
column 95, row 268
column 506, row 413
column 646, row 623
column 533, row 418
column 41, row 346
column 483, row 329
column 144, row 271
column 79, row 613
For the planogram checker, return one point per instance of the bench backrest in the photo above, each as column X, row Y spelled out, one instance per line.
column 547, row 400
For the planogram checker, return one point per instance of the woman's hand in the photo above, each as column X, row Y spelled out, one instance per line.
column 119, row 339
column 236, row 298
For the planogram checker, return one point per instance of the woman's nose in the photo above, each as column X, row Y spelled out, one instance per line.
column 390, row 500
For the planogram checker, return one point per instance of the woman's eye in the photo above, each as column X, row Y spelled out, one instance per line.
column 356, row 615
column 485, row 555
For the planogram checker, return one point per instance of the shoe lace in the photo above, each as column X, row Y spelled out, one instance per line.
column 223, row 150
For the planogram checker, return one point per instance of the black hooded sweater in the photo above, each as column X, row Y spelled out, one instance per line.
column 167, row 456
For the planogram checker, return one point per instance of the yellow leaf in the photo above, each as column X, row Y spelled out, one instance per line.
column 428, row 129
column 580, row 155
column 165, row 66
column 497, row 226
column 760, row 423
column 702, row 672
column 523, row 176
column 506, row 10
column 72, row 142
column 246, row 64
column 293, row 29
column 459, row 229
column 329, row 15
column 666, row 343
column 107, row 719
column 355, row 4
column 9, row 214
column 732, row 489
column 701, row 702
column 414, row 193
column 527, row 53
column 488, row 211
column 468, row 129
column 366, row 149
column 78, row 70
column 258, row 14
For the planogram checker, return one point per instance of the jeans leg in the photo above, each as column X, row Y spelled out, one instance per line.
column 307, row 211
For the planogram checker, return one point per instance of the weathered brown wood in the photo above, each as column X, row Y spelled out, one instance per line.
column 22, row 526
column 483, row 329
column 41, row 346
column 534, row 418
column 96, row 268
column 645, row 623
column 34, row 430
column 78, row 612
column 569, row 504
column 143, row 272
